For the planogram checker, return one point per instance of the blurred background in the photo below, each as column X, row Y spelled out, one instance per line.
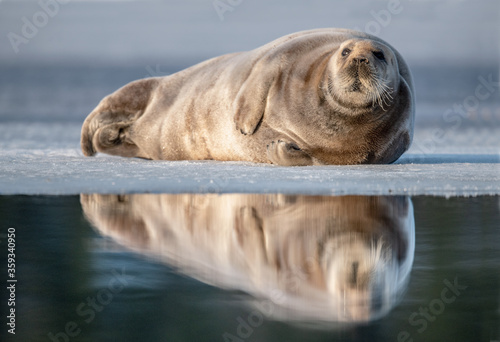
column 58, row 58
column 170, row 32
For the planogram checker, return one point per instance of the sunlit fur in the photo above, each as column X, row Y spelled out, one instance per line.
column 366, row 78
column 295, row 101
column 360, row 77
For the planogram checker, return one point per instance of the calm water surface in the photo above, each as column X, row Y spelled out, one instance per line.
column 252, row 268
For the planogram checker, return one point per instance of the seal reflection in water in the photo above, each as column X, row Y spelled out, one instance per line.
column 330, row 259
column 326, row 96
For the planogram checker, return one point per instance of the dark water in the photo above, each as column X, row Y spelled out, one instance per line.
column 252, row 268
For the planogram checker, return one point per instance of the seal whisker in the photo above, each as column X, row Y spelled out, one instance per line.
column 382, row 91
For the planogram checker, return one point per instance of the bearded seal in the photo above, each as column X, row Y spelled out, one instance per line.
column 325, row 96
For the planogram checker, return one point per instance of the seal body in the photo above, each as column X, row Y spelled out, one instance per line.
column 326, row 96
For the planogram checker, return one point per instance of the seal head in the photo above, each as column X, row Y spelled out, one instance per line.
column 361, row 77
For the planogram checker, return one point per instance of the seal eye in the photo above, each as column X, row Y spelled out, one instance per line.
column 379, row 55
column 346, row 52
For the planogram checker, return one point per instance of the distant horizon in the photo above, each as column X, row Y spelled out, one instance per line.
column 100, row 32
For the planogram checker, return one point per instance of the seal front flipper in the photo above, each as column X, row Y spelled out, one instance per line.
column 249, row 232
column 287, row 154
column 109, row 127
column 250, row 102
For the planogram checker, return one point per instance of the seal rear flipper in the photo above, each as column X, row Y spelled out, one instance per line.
column 107, row 128
column 115, row 139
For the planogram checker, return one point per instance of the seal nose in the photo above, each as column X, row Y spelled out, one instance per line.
column 361, row 59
